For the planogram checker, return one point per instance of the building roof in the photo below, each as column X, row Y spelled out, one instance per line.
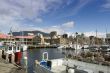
column 3, row 36
column 25, row 37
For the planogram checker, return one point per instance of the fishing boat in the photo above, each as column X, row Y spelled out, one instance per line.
column 49, row 66
column 57, row 66
column 12, row 52
column 65, row 65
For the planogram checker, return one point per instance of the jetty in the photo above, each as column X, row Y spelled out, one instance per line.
column 6, row 67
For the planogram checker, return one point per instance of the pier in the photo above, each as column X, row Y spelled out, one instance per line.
column 6, row 67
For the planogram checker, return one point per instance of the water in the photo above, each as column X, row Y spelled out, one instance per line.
column 36, row 54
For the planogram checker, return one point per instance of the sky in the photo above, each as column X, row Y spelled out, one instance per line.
column 63, row 16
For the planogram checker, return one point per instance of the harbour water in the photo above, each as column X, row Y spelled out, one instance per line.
column 36, row 54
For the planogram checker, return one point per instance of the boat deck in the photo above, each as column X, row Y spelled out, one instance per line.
column 59, row 69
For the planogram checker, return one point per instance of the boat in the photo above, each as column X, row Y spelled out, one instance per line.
column 68, row 66
column 48, row 66
column 105, row 48
column 24, row 47
column 12, row 52
column 61, row 65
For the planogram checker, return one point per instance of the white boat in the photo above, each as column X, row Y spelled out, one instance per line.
column 49, row 66
column 60, row 48
column 12, row 52
column 105, row 48
column 24, row 47
column 9, row 49
column 57, row 66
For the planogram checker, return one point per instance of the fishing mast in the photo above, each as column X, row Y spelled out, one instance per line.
column 106, row 35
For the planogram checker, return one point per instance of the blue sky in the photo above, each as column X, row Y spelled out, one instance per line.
column 63, row 16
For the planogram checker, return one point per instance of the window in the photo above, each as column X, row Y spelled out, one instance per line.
column 17, row 48
column 10, row 48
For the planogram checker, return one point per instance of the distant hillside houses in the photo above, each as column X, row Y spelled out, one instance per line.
column 27, row 33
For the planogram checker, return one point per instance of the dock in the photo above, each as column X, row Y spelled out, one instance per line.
column 6, row 67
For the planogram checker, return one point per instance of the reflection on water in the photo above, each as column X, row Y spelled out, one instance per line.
column 36, row 54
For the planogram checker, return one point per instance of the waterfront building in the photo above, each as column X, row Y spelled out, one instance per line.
column 53, row 37
column 39, row 39
column 59, row 39
column 28, row 40
column 31, row 37
column 3, row 37
column 6, row 38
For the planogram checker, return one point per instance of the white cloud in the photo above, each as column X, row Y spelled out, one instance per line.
column 6, row 22
column 38, row 20
column 27, row 8
column 13, row 12
column 68, row 25
column 61, row 28
column 107, row 4
column 58, row 29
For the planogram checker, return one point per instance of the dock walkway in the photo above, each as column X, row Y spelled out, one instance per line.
column 6, row 67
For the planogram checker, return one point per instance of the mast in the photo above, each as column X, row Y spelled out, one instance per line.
column 25, row 58
column 106, row 35
column 10, row 34
column 22, row 37
column 76, row 42
column 96, row 38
